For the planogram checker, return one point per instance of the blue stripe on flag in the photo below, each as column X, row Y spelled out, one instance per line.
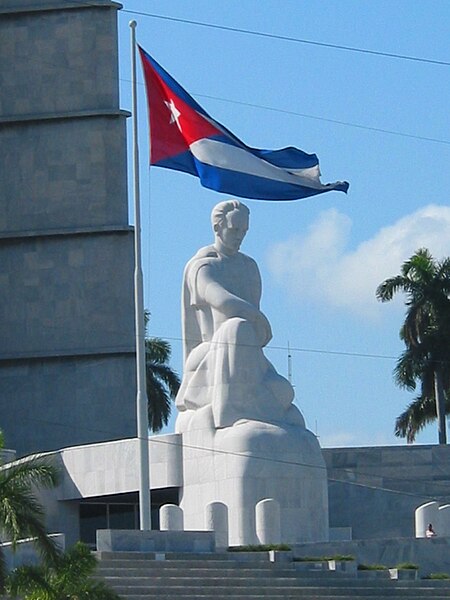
column 251, row 186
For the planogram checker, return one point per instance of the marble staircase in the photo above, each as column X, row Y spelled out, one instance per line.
column 223, row 576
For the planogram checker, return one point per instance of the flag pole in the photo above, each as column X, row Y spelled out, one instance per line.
column 141, row 397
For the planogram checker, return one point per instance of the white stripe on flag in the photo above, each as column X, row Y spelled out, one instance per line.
column 225, row 156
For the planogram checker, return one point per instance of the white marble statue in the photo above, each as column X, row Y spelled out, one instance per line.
column 226, row 375
column 243, row 440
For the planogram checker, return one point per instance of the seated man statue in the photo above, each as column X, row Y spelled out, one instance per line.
column 226, row 375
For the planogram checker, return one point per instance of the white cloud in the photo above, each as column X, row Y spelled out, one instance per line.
column 320, row 267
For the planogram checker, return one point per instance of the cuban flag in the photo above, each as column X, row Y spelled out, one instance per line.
column 185, row 138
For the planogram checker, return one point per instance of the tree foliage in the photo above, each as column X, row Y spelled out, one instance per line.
column 162, row 381
column 426, row 335
column 70, row 577
column 21, row 514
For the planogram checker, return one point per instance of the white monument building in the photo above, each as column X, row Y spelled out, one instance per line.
column 241, row 461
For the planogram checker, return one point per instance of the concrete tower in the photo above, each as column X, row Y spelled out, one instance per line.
column 67, row 363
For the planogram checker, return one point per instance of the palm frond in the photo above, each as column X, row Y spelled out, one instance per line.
column 162, row 381
column 157, row 350
column 69, row 578
column 418, row 415
column 34, row 471
column 159, row 405
column 3, row 571
column 420, row 266
column 168, row 377
column 29, row 581
column 410, row 368
column 386, row 290
column 21, row 515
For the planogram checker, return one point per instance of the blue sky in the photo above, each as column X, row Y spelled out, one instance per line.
column 321, row 259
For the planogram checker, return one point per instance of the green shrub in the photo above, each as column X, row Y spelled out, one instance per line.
column 70, row 577
column 344, row 557
column 259, row 548
column 362, row 567
column 407, row 565
column 437, row 576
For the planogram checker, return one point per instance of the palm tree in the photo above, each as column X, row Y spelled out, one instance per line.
column 414, row 366
column 21, row 515
column 162, row 382
column 69, row 578
column 426, row 334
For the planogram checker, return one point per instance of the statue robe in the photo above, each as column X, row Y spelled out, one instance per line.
column 224, row 365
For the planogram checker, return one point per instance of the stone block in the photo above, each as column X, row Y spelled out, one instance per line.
column 69, row 310
column 58, row 61
column 414, row 456
column 216, row 520
column 403, row 574
column 368, row 457
column 126, row 540
column 374, row 574
column 440, row 454
column 346, row 567
column 171, row 518
column 339, row 458
column 268, row 521
column 59, row 403
column 63, row 175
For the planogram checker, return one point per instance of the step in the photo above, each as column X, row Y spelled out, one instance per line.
column 138, row 576
column 357, row 592
column 274, row 596
column 177, row 564
column 202, row 556
column 156, row 582
column 320, row 579
column 214, row 574
column 193, row 590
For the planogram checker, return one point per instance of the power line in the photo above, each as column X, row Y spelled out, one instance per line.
column 283, row 462
column 296, row 349
column 279, row 110
column 290, row 348
column 327, row 120
column 254, row 105
column 308, row 116
column 286, row 38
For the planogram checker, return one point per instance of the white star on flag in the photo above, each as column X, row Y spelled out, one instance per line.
column 174, row 113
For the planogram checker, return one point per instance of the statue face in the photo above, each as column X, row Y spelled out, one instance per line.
column 232, row 230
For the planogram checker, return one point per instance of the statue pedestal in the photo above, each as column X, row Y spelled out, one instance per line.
column 249, row 462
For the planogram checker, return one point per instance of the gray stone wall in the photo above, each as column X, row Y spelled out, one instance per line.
column 375, row 491
column 67, row 364
column 57, row 61
column 63, row 174
column 67, row 401
column 71, row 295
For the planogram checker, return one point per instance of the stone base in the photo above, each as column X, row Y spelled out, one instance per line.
column 432, row 556
column 130, row 540
column 247, row 463
column 404, row 574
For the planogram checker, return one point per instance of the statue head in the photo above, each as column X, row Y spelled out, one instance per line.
column 230, row 221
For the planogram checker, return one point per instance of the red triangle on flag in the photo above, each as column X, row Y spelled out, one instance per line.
column 174, row 125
